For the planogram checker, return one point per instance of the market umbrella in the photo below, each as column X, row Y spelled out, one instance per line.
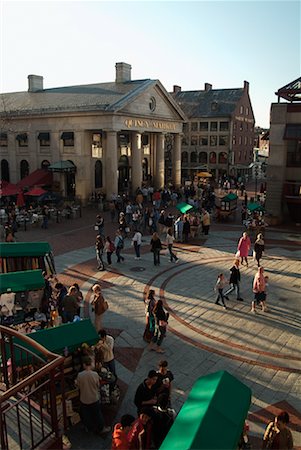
column 36, row 192
column 204, row 174
column 184, row 207
column 255, row 207
column 20, row 199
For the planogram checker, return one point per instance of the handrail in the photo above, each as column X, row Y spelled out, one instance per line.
column 31, row 379
column 29, row 341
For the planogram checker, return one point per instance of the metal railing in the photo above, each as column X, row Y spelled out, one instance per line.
column 32, row 382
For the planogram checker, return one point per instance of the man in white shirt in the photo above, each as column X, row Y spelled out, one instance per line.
column 137, row 239
column 88, row 383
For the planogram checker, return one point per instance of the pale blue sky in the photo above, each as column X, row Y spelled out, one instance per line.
column 178, row 42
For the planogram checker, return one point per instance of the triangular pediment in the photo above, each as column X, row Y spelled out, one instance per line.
column 153, row 102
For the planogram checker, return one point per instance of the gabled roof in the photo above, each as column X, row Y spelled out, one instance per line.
column 92, row 97
column 212, row 103
column 291, row 91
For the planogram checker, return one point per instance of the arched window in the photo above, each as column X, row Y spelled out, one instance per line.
column 222, row 158
column 4, row 170
column 193, row 157
column 184, row 157
column 212, row 158
column 24, row 169
column 203, row 158
column 98, row 174
column 45, row 164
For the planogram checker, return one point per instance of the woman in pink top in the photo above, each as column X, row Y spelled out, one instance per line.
column 259, row 290
column 243, row 247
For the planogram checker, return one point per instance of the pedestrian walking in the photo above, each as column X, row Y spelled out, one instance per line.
column 88, row 383
column 219, row 287
column 258, row 248
column 99, row 248
column 259, row 288
column 186, row 229
column 156, row 246
column 205, row 222
column 234, row 281
column 109, row 249
column 106, row 346
column 119, row 245
column 277, row 435
column 150, row 302
column 99, row 304
column 169, row 242
column 243, row 248
column 137, row 239
column 100, row 225
column 161, row 320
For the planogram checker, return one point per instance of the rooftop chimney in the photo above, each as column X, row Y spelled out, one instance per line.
column 246, row 86
column 123, row 72
column 35, row 83
column 208, row 87
column 176, row 89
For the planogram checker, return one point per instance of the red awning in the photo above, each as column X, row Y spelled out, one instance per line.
column 39, row 177
column 36, row 192
column 8, row 189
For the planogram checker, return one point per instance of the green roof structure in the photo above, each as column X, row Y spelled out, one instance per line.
column 15, row 249
column 27, row 280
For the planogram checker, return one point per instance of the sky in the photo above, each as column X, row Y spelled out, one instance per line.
column 178, row 42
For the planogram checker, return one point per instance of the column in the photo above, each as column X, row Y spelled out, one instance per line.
column 136, row 162
column 160, row 162
column 111, row 164
column 176, row 161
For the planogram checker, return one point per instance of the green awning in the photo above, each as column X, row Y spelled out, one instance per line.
column 15, row 249
column 27, row 280
column 184, row 207
column 230, row 196
column 255, row 207
column 212, row 416
column 71, row 335
column 62, row 166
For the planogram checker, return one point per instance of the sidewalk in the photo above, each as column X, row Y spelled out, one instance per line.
column 261, row 350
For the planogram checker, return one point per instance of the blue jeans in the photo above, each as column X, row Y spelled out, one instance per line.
column 156, row 257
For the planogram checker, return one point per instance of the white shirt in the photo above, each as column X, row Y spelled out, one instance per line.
column 169, row 239
column 137, row 237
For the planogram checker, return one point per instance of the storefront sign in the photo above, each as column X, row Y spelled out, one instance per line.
column 143, row 123
column 243, row 119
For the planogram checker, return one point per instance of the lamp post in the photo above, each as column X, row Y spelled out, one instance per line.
column 256, row 176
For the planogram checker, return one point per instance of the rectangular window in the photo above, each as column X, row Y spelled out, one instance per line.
column 96, row 145
column 184, row 141
column 239, row 140
column 224, row 126
column 213, row 126
column 194, row 140
column 213, row 141
column 293, row 158
column 68, row 138
column 194, row 126
column 234, row 140
column 203, row 126
column 247, row 111
column 3, row 139
column 241, row 110
column 185, row 128
column 22, row 139
column 234, row 126
column 204, row 141
column 223, row 140
column 246, row 140
column 44, row 139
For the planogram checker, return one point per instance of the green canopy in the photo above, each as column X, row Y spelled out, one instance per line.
column 70, row 335
column 230, row 196
column 255, row 207
column 15, row 249
column 212, row 416
column 27, row 280
column 184, row 207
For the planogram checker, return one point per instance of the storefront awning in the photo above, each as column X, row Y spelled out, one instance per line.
column 39, row 177
column 184, row 207
column 15, row 249
column 292, row 132
column 28, row 280
column 213, row 415
column 255, row 207
column 62, row 166
column 67, row 135
column 44, row 136
column 231, row 196
column 70, row 335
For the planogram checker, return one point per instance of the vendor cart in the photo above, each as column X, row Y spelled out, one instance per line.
column 226, row 206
